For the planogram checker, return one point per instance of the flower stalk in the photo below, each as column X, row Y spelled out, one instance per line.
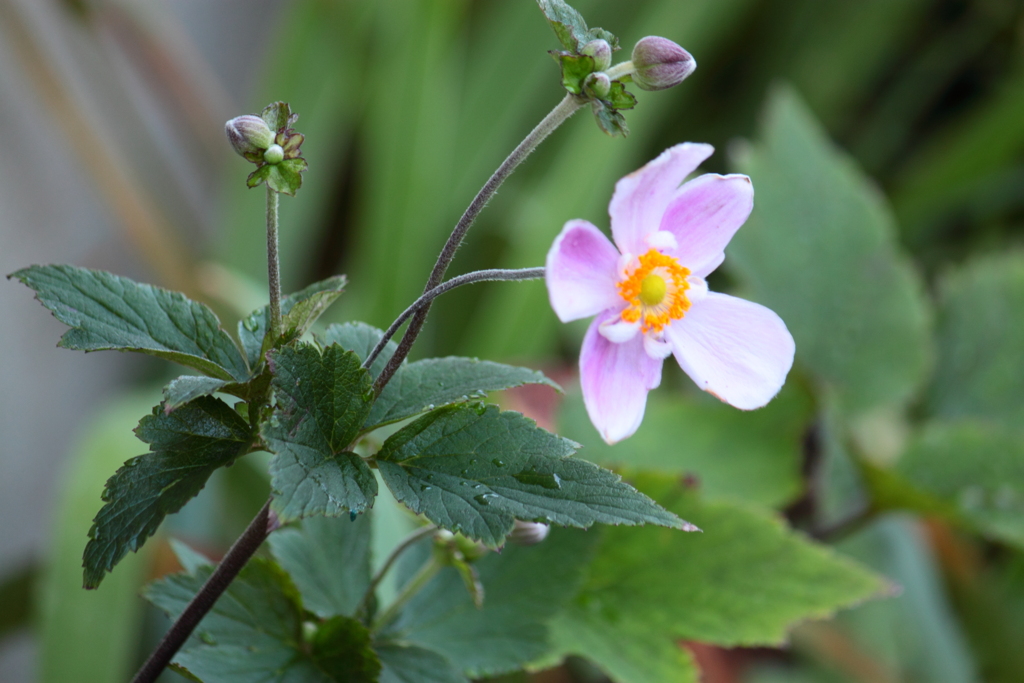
column 273, row 263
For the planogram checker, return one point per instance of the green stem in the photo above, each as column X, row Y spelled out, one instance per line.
column 273, row 264
column 416, row 583
column 566, row 108
column 405, row 544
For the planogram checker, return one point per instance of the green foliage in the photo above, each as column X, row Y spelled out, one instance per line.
column 187, row 446
column 188, row 388
column 328, row 558
column 298, row 313
column 525, row 588
column 570, row 27
column 981, row 337
column 360, row 338
column 475, row 470
column 403, row 663
column 744, row 581
column 106, row 311
column 322, row 400
column 820, row 250
column 256, row 629
column 575, row 69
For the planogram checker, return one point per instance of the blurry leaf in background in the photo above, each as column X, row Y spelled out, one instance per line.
column 525, row 587
column 71, row 647
column 751, row 456
column 820, row 250
column 744, row 581
column 980, row 369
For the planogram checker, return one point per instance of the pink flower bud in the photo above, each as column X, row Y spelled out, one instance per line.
column 659, row 63
column 601, row 51
column 249, row 134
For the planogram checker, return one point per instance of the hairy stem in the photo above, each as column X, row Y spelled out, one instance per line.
column 566, row 108
column 405, row 544
column 423, row 576
column 273, row 264
column 237, row 557
column 468, row 278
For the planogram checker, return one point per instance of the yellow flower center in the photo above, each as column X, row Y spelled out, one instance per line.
column 655, row 291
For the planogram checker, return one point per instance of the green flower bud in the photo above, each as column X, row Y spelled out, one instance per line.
column 601, row 51
column 274, row 154
column 659, row 63
column 597, row 85
column 249, row 135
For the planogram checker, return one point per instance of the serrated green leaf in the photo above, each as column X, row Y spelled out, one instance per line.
column 329, row 561
column 258, row 176
column 341, row 649
column 525, row 588
column 278, row 115
column 254, row 632
column 609, row 120
column 298, row 313
column 187, row 446
column 107, row 311
column 619, row 97
column 187, row 388
column 744, row 581
column 575, row 68
column 820, row 250
column 286, row 177
column 978, row 468
column 475, row 470
column 360, row 339
column 981, row 337
column 403, row 663
column 322, row 400
column 570, row 28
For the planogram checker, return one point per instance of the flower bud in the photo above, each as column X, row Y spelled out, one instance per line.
column 274, row 154
column 597, row 85
column 659, row 63
column 528, row 533
column 249, row 134
column 601, row 51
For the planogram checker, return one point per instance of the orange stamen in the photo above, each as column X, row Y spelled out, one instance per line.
column 655, row 315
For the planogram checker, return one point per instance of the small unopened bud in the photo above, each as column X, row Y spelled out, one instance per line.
column 274, row 154
column 601, row 51
column 659, row 63
column 528, row 533
column 249, row 134
column 597, row 85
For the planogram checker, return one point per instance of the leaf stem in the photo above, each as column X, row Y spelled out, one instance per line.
column 423, row 576
column 566, row 108
column 403, row 545
column 469, row 278
column 235, row 559
column 273, row 263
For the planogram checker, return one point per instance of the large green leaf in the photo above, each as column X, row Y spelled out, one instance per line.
column 298, row 313
column 403, row 663
column 107, row 311
column 475, row 470
column 360, row 338
column 753, row 456
column 329, row 560
column 820, row 250
column 525, row 588
column 978, row 468
column 188, row 388
column 981, row 336
column 187, row 446
column 744, row 581
column 322, row 400
column 255, row 632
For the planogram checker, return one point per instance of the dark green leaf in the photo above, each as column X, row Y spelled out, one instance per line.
column 254, row 632
column 575, row 68
column 187, row 388
column 744, row 581
column 820, row 250
column 981, row 338
column 609, row 120
column 475, row 470
column 106, row 311
column 322, row 400
column 187, row 446
column 434, row 382
column 286, row 177
column 410, row 664
column 570, row 28
column 329, row 560
column 620, row 98
column 298, row 312
column 258, row 176
column 978, row 468
column 525, row 588
column 360, row 338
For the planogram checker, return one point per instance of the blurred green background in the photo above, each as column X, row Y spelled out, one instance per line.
column 885, row 139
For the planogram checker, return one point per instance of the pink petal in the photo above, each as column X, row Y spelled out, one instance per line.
column 734, row 349
column 581, row 272
column 641, row 198
column 615, row 380
column 704, row 215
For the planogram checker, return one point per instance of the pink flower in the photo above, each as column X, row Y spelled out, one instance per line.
column 651, row 299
